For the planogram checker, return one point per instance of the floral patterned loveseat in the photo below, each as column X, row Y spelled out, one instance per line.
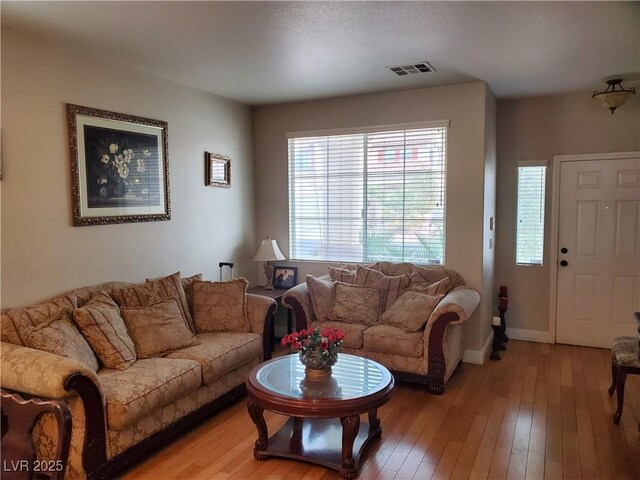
column 405, row 316
column 118, row 415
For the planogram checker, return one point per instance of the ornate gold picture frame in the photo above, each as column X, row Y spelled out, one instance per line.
column 119, row 167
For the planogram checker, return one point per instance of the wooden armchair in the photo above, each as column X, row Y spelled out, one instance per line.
column 19, row 417
column 625, row 359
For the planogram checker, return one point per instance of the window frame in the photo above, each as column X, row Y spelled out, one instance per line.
column 531, row 164
column 292, row 135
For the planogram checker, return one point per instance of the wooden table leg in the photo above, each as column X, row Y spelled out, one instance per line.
column 256, row 414
column 350, row 428
column 375, row 429
column 622, row 378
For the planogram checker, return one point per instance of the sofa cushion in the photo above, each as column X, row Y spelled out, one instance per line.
column 390, row 286
column 322, row 297
column 411, row 311
column 146, row 386
column 342, row 275
column 393, row 340
column 154, row 291
column 221, row 306
column 100, row 322
column 221, row 352
column 157, row 329
column 19, row 323
column 352, row 332
column 60, row 336
column 355, row 303
column 626, row 351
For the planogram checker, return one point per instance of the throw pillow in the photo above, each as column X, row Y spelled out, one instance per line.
column 390, row 286
column 100, row 322
column 157, row 329
column 187, row 285
column 411, row 311
column 356, row 304
column 60, row 336
column 342, row 275
column 221, row 306
column 441, row 287
column 154, row 291
column 322, row 297
column 18, row 323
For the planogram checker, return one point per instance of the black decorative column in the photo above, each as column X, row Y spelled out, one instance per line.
column 502, row 308
column 499, row 325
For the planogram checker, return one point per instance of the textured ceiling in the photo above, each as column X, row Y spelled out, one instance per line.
column 271, row 52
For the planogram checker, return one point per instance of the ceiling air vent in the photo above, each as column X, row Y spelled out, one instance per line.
column 421, row 67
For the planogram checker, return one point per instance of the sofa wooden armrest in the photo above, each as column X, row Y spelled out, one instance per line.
column 49, row 376
column 453, row 310
column 261, row 312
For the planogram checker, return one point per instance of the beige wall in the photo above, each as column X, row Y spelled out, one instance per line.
column 464, row 105
column 42, row 253
column 539, row 128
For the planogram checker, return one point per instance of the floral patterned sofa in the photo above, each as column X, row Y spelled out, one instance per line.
column 405, row 316
column 119, row 414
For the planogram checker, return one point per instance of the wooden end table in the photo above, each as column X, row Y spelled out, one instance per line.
column 324, row 425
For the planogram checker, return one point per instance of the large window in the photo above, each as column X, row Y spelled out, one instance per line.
column 366, row 196
column 530, row 222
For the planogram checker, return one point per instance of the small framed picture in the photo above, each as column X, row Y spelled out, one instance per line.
column 285, row 277
column 217, row 170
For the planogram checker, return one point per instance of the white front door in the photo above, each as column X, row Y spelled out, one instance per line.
column 598, row 250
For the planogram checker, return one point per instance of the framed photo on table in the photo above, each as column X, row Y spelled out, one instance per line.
column 285, row 277
column 119, row 167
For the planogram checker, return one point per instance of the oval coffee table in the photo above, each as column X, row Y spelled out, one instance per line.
column 324, row 427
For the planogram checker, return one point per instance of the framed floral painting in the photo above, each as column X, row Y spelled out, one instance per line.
column 119, row 167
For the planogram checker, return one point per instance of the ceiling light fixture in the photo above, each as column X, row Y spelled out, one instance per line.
column 612, row 98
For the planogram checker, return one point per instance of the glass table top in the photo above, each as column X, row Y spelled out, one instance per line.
column 352, row 377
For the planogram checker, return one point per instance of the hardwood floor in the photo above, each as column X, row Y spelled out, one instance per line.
column 543, row 412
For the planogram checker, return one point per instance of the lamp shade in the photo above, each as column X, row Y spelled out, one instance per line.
column 615, row 95
column 613, row 100
column 268, row 251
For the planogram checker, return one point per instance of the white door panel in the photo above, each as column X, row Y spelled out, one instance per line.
column 599, row 225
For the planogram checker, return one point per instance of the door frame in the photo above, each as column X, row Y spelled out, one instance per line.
column 555, row 206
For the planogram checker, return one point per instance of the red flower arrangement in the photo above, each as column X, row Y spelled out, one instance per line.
column 318, row 348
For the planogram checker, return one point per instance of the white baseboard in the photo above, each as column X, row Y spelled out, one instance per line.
column 478, row 357
column 530, row 335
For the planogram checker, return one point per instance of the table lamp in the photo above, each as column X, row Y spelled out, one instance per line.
column 268, row 253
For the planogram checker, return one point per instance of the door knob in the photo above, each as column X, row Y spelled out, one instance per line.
column 564, row 263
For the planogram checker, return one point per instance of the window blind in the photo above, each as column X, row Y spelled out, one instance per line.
column 360, row 197
column 530, row 211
